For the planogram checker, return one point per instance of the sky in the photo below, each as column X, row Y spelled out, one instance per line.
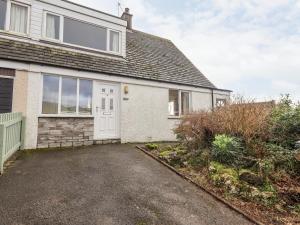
column 249, row 46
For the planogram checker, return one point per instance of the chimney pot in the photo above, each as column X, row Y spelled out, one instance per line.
column 128, row 17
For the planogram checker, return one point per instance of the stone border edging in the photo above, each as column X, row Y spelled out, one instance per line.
column 245, row 215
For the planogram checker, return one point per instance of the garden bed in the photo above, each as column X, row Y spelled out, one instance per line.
column 262, row 203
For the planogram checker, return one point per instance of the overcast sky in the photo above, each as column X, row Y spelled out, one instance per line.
column 249, row 46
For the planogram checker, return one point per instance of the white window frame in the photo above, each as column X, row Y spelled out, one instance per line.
column 218, row 100
column 8, row 12
column 61, row 34
column 180, row 102
column 61, row 27
column 108, row 41
column 59, row 113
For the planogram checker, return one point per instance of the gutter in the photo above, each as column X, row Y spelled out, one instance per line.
column 212, row 100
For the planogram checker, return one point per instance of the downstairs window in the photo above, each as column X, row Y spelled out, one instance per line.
column 66, row 95
column 179, row 102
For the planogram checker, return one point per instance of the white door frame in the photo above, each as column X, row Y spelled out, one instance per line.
column 96, row 103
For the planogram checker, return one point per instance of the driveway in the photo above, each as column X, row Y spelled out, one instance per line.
column 105, row 185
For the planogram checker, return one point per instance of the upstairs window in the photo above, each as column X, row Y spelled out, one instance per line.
column 179, row 103
column 3, row 6
column 19, row 18
column 114, row 41
column 80, row 34
column 84, row 34
column 52, row 26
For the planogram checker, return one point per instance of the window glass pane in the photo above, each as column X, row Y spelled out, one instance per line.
column 221, row 102
column 83, row 34
column 2, row 14
column 50, row 94
column 185, row 103
column 111, row 104
column 68, row 95
column 114, row 41
column 173, row 103
column 52, row 26
column 18, row 18
column 6, row 95
column 85, row 96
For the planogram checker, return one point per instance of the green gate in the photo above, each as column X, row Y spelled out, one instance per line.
column 11, row 136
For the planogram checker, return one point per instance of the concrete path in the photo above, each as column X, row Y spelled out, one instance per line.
column 105, row 185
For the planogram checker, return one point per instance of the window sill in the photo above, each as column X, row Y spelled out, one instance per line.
column 65, row 116
column 15, row 34
column 79, row 48
column 174, row 117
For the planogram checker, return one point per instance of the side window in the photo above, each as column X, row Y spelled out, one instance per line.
column 220, row 102
column 6, row 94
column 173, row 103
column 52, row 26
column 50, row 94
column 185, row 103
column 3, row 6
column 85, row 96
column 19, row 18
column 114, row 41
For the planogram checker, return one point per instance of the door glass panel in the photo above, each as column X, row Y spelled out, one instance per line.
column 103, row 90
column 103, row 104
column 111, row 104
column 111, row 91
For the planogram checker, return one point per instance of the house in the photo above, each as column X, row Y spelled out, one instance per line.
column 81, row 76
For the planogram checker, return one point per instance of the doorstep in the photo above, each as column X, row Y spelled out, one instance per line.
column 107, row 141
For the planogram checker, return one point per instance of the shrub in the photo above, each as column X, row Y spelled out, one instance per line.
column 152, row 146
column 199, row 159
column 226, row 149
column 240, row 118
column 283, row 159
column 285, row 123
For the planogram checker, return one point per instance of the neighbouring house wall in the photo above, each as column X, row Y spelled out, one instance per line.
column 65, row 132
column 19, row 103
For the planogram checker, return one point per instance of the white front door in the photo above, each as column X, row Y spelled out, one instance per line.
column 107, row 111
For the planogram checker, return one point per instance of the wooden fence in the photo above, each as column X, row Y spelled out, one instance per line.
column 11, row 135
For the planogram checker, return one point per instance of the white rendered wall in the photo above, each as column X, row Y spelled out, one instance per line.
column 144, row 111
column 144, row 116
column 33, row 108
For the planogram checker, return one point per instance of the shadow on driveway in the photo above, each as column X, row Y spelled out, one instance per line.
column 105, row 185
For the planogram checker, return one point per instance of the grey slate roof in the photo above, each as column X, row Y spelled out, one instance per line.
column 148, row 57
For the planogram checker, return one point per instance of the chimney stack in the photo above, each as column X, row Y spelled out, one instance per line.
column 128, row 17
